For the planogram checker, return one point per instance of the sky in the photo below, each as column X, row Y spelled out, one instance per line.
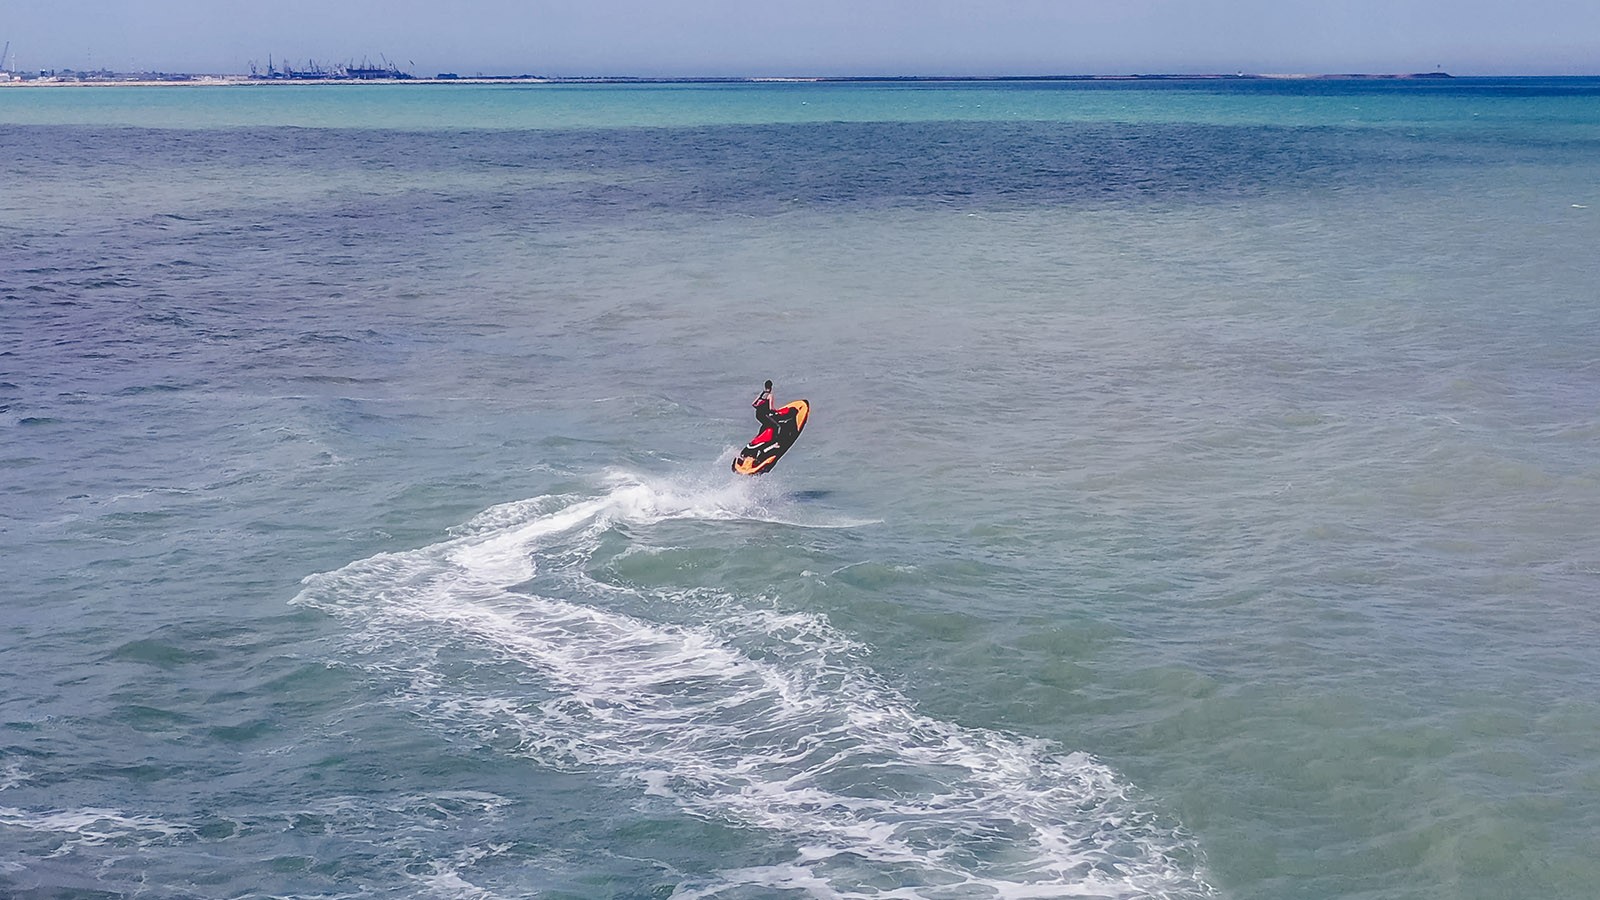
column 819, row 37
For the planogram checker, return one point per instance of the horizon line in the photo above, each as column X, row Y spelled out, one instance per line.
column 393, row 74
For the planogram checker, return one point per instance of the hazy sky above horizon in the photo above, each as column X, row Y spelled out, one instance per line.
column 822, row 37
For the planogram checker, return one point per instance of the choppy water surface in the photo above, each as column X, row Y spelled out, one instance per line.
column 1200, row 498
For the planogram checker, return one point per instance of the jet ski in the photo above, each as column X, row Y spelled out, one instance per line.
column 763, row 451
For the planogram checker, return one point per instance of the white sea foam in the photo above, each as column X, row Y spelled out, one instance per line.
column 755, row 716
column 446, row 880
column 92, row 827
column 11, row 776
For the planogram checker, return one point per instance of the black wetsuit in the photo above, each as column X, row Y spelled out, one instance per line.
column 764, row 412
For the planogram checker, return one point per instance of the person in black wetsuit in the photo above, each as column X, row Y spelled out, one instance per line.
column 764, row 411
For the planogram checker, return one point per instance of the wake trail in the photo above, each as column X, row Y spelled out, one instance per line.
column 756, row 717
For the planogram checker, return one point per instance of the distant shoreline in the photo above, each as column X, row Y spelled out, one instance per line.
column 186, row 80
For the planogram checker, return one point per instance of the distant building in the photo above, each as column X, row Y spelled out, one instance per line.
column 371, row 73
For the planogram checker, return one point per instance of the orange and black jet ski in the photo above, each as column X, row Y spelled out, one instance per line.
column 764, row 449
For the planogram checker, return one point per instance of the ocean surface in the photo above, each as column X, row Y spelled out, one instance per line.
column 1201, row 497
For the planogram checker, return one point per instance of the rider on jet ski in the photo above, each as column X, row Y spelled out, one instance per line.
column 764, row 412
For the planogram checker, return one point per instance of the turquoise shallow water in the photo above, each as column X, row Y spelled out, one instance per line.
column 1200, row 499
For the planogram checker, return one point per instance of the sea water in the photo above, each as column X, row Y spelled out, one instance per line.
column 1201, row 497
